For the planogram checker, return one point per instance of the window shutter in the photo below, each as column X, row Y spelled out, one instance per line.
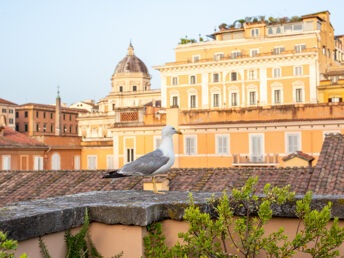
column 224, row 144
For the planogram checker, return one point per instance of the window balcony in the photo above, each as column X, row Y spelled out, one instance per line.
column 247, row 160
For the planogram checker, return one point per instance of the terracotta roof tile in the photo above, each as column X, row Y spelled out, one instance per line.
column 325, row 178
column 300, row 155
column 14, row 139
column 4, row 101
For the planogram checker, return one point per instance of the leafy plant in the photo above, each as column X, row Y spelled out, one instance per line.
column 8, row 246
column 209, row 237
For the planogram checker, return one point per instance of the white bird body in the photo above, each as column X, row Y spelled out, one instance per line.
column 156, row 162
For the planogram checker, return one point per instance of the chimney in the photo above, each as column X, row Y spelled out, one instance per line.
column 58, row 114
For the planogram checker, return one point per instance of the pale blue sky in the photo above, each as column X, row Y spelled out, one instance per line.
column 77, row 43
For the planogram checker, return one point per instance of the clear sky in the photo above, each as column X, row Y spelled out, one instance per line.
column 76, row 44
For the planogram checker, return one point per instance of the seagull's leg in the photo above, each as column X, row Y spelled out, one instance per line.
column 155, row 189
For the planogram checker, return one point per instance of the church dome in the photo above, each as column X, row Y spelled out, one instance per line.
column 131, row 64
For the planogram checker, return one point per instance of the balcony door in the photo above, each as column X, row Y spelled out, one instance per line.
column 256, row 148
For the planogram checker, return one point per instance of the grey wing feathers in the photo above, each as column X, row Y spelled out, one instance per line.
column 145, row 165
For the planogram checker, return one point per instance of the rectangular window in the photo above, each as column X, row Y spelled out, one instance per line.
column 52, row 128
column 4, row 110
column 110, row 164
column 235, row 54
column 234, row 76
column 190, row 145
column 120, row 88
column 192, row 101
column 77, row 162
column 234, row 99
column 26, row 114
column 17, row 127
column 297, row 27
column 6, row 162
column 92, row 162
column 10, row 111
column 174, row 80
column 70, row 128
column 174, row 101
column 37, row 114
column 134, row 88
column 216, row 100
column 251, row 74
column 293, row 142
column 222, row 144
column 256, row 148
column 51, row 115
column 298, row 95
column 192, row 79
column 215, row 77
column 37, row 127
column 38, row 163
column 278, row 50
column 64, row 116
column 253, row 99
column 43, row 114
column 10, row 121
column 298, row 70
column 299, row 48
column 130, row 155
column 70, row 117
column 195, row 59
column 26, row 127
column 277, row 96
column 44, row 127
column 254, row 52
column 17, row 114
column 255, row 32
column 218, row 56
column 277, row 72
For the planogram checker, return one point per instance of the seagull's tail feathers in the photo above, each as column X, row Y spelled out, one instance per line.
column 114, row 174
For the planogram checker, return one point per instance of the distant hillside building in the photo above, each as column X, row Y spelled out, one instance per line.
column 7, row 110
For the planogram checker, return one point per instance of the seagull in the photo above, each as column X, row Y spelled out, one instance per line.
column 153, row 163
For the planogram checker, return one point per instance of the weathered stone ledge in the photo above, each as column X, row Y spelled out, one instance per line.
column 25, row 220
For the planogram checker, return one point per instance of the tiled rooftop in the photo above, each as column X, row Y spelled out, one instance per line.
column 4, row 101
column 325, row 178
column 14, row 139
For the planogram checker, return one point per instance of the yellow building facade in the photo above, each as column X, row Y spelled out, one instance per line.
column 249, row 97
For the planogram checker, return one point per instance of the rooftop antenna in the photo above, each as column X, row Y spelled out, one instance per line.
column 58, row 91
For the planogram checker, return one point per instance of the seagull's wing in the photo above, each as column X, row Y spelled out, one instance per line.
column 145, row 165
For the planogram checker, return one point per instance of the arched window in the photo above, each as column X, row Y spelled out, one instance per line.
column 55, row 162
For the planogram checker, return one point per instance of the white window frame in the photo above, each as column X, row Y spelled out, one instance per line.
column 299, row 47
column 278, row 49
column 249, row 97
column 234, row 90
column 192, row 92
column 190, row 79
column 156, row 141
column 254, row 32
column 299, row 147
column 217, row 145
column 89, row 158
column 6, row 162
column 174, row 80
column 298, row 86
column 213, row 92
column 262, row 147
column 174, row 94
column 254, row 50
column 196, row 58
column 276, row 75
column 37, row 163
column 110, row 161
column 218, row 77
column 195, row 146
column 77, row 162
column 277, row 87
column 218, row 56
column 252, row 74
column 235, row 54
column 56, row 161
column 298, row 70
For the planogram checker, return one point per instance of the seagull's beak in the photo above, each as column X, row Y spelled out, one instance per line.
column 178, row 132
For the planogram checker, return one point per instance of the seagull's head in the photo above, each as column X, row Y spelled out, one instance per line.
column 169, row 131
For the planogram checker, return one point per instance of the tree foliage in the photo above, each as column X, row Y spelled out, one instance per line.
column 8, row 246
column 229, row 235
